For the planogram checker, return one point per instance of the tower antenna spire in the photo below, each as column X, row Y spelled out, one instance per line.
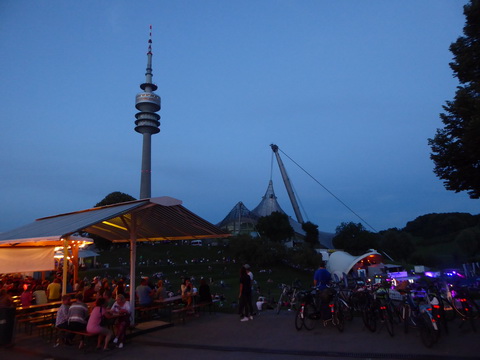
column 147, row 122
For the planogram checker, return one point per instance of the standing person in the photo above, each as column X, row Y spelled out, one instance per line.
column 95, row 324
column 245, row 296
column 123, row 310
column 144, row 293
column 5, row 299
column 321, row 279
column 249, row 272
column 204, row 295
column 54, row 290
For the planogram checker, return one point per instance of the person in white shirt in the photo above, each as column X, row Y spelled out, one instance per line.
column 122, row 309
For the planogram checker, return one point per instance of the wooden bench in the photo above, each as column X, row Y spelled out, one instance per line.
column 182, row 312
column 83, row 334
column 156, row 305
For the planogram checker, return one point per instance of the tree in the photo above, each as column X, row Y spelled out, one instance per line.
column 354, row 238
column 115, row 198
column 397, row 244
column 455, row 149
column 111, row 199
column 311, row 233
column 468, row 240
column 275, row 227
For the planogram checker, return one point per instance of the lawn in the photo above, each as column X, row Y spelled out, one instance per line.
column 174, row 261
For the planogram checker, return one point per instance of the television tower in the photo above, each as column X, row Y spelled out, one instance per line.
column 147, row 123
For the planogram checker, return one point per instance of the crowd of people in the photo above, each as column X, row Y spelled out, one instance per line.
column 99, row 306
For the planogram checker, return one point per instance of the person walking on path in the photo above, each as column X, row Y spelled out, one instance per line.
column 245, row 296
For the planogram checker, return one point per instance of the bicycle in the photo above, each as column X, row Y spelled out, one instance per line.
column 288, row 296
column 464, row 305
column 378, row 306
column 311, row 309
column 417, row 313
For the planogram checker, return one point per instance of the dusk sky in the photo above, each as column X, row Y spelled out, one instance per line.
column 351, row 90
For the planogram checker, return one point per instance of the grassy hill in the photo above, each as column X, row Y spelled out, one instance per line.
column 173, row 261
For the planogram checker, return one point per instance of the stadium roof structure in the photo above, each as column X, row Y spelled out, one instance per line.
column 239, row 217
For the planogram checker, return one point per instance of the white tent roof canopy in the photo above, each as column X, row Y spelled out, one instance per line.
column 341, row 262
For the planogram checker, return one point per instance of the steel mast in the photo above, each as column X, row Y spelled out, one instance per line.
column 288, row 185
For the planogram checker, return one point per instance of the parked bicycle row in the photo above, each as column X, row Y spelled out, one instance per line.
column 427, row 307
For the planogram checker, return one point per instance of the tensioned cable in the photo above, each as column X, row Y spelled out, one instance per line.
column 271, row 166
column 340, row 201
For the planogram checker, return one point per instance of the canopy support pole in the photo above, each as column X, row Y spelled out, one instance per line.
column 75, row 262
column 133, row 262
column 65, row 265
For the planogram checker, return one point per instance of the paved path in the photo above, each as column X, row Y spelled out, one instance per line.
column 268, row 336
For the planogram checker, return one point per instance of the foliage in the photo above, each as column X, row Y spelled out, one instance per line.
column 115, row 198
column 455, row 149
column 275, row 227
column 259, row 252
column 354, row 238
column 111, row 199
column 435, row 225
column 311, row 233
column 468, row 241
column 397, row 244
column 304, row 257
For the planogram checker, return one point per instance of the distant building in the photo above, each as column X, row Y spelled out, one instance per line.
column 240, row 220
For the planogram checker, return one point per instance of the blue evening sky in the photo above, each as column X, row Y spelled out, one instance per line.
column 351, row 90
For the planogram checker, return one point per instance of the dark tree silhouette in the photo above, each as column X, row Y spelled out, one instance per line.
column 455, row 147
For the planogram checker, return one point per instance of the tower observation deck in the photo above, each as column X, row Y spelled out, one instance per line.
column 147, row 122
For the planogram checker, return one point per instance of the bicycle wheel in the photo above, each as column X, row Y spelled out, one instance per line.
column 299, row 319
column 406, row 316
column 387, row 317
column 369, row 319
column 339, row 318
column 279, row 304
column 310, row 316
column 346, row 309
column 428, row 334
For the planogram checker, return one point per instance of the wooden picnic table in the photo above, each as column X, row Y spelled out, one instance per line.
column 169, row 300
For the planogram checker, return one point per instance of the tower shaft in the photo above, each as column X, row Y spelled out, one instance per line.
column 147, row 122
column 146, row 175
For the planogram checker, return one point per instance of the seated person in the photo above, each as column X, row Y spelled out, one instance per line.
column 40, row 295
column 161, row 292
column 61, row 321
column 123, row 310
column 144, row 293
column 95, row 324
column 107, row 294
column 89, row 293
column 187, row 292
column 77, row 317
column 27, row 296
